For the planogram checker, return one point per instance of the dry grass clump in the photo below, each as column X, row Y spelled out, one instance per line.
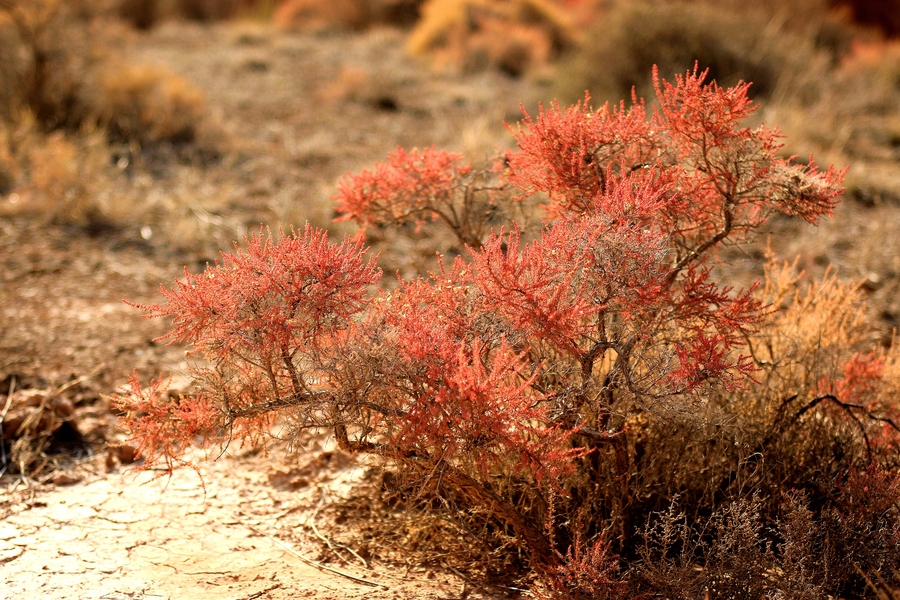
column 148, row 105
column 67, row 107
column 38, row 427
column 789, row 489
column 345, row 14
column 512, row 35
column 748, row 44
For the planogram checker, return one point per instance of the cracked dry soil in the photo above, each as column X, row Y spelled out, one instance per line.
column 132, row 536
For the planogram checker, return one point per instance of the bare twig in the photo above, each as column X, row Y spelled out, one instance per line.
column 329, row 543
column 9, row 395
column 261, row 592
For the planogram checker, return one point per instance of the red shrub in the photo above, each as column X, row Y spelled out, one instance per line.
column 518, row 381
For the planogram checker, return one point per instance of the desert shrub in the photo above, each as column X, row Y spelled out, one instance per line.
column 49, row 49
column 571, row 384
column 512, row 35
column 64, row 78
column 345, row 14
column 741, row 44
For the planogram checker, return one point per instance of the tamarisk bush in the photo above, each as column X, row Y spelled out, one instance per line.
column 582, row 384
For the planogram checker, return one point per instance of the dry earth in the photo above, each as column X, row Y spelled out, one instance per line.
column 298, row 110
column 242, row 532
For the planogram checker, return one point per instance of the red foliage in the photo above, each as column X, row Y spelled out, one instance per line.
column 569, row 154
column 418, row 187
column 408, row 187
column 486, row 415
column 271, row 300
column 510, row 375
column 858, row 394
column 861, row 376
column 263, row 319
column 710, row 178
column 587, row 571
column 163, row 426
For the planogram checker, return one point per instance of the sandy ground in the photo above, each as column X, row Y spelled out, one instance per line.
column 241, row 532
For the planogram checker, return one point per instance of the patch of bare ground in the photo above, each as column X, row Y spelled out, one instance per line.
column 246, row 530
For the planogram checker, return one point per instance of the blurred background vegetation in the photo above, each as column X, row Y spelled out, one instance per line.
column 182, row 124
column 140, row 117
column 828, row 71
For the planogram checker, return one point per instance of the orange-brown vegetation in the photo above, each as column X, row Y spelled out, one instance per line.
column 512, row 35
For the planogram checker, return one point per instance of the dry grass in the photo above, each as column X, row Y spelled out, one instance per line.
column 513, row 35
